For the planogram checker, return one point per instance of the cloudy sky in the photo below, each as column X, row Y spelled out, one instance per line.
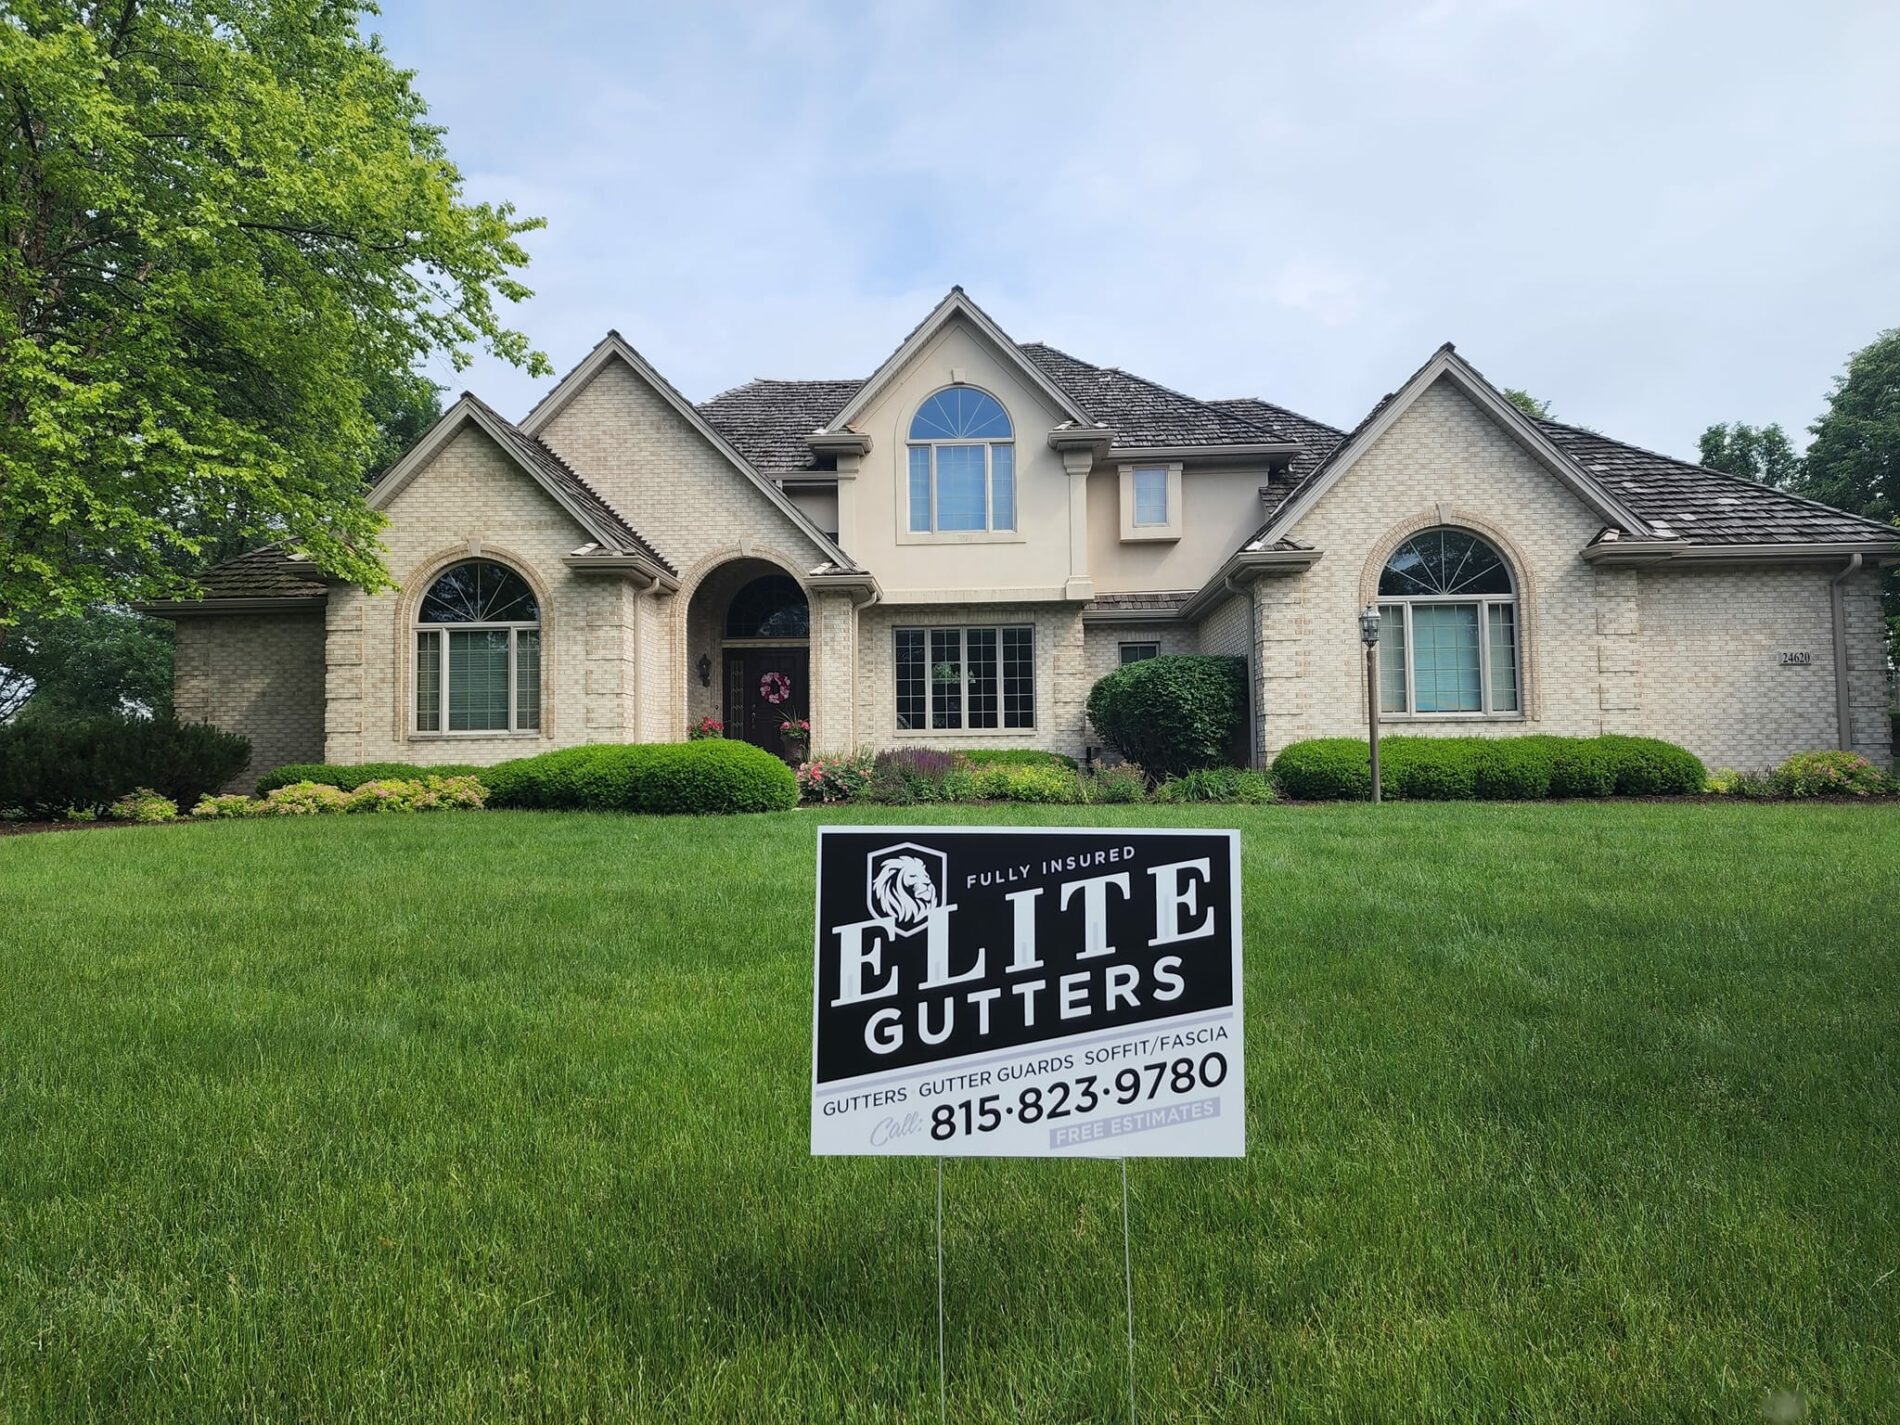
column 1653, row 215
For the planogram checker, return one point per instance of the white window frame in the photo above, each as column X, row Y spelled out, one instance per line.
column 514, row 630
column 1484, row 602
column 1136, row 532
column 964, row 729
column 990, row 526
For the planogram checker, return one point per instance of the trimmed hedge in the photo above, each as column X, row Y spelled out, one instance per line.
column 713, row 775
column 1013, row 757
column 347, row 778
column 50, row 768
column 1173, row 715
column 1488, row 768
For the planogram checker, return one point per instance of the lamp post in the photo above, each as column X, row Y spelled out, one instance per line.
column 1369, row 635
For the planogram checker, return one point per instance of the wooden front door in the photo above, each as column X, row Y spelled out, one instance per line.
column 764, row 686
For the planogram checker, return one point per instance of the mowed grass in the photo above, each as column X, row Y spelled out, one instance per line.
column 1555, row 1113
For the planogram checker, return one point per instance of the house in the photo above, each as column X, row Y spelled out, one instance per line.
column 951, row 552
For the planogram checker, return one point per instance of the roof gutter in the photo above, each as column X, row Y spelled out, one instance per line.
column 1251, row 452
column 1675, row 551
column 641, row 571
column 1843, row 704
column 1242, row 569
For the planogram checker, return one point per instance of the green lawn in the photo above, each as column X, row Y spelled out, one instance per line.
column 1556, row 1113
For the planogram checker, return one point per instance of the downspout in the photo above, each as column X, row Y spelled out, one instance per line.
column 1253, row 669
column 1842, row 709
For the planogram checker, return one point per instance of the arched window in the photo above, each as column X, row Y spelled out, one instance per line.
column 478, row 652
column 771, row 606
column 1448, row 627
column 962, row 463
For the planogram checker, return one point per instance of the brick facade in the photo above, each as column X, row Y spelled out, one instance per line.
column 259, row 674
column 1690, row 652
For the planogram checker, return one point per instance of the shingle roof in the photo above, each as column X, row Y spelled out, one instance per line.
column 1317, row 441
column 1159, row 601
column 530, row 451
column 1702, row 506
column 268, row 573
column 767, row 421
column 1145, row 413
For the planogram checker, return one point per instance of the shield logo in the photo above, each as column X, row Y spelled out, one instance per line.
column 904, row 883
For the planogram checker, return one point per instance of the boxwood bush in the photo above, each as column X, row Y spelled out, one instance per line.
column 347, row 778
column 50, row 768
column 1487, row 768
column 713, row 775
column 1173, row 715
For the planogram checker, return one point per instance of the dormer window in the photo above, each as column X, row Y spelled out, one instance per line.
column 1151, row 502
column 962, row 464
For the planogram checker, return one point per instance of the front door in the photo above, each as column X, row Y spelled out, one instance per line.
column 765, row 686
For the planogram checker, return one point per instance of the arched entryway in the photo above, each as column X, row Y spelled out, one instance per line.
column 751, row 626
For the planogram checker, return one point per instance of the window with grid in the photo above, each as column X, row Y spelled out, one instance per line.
column 478, row 652
column 1448, row 627
column 962, row 474
column 955, row 679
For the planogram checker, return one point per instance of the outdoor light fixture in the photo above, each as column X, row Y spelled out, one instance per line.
column 705, row 670
column 1369, row 635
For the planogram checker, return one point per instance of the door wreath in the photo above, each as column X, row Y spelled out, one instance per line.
column 775, row 687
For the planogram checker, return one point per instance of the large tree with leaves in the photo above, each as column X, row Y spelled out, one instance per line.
column 1759, row 453
column 1853, row 461
column 224, row 225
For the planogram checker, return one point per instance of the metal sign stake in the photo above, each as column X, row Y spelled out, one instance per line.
column 1128, row 1285
column 943, row 1393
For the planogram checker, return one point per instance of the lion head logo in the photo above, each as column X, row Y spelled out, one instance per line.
column 906, row 884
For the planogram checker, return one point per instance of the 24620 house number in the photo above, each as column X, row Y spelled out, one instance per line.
column 1796, row 659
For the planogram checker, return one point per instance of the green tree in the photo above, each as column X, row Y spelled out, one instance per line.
column 1758, row 453
column 78, row 665
column 1853, row 461
column 1529, row 404
column 225, row 226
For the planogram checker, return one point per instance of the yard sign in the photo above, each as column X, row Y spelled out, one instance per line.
column 1028, row 992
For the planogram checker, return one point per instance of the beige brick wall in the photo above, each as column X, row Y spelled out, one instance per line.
column 1710, row 643
column 473, row 499
column 1062, row 681
column 259, row 674
column 1686, row 653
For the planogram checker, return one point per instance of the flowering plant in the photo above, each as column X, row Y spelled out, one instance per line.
column 835, row 779
column 706, row 727
column 797, row 729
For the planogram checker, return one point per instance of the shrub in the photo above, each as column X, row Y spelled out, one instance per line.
column 1829, row 774
column 1014, row 757
column 1428, row 769
column 1490, row 768
column 1325, row 769
column 715, row 775
column 1217, row 784
column 49, row 768
column 1512, row 769
column 457, row 793
column 144, row 805
column 347, row 778
column 1649, row 767
column 303, row 799
column 1124, row 782
column 835, row 779
column 1172, row 715
column 1005, row 783
column 910, row 775
column 225, row 808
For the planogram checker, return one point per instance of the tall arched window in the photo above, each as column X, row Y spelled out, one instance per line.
column 1448, row 631
column 478, row 652
column 962, row 463
column 771, row 606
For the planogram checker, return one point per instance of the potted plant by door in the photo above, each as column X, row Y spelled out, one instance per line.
column 795, row 733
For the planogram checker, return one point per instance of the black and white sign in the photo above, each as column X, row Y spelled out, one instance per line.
column 1028, row 992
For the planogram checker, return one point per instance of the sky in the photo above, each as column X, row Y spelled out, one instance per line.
column 1654, row 216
